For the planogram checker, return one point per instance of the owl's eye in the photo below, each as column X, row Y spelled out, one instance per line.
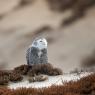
column 40, row 41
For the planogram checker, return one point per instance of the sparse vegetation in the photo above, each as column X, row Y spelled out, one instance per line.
column 46, row 69
column 84, row 86
column 17, row 73
column 15, row 77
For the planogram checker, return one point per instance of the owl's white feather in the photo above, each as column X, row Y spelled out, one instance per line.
column 37, row 52
column 39, row 43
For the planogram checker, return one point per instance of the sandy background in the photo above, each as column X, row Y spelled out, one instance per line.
column 19, row 25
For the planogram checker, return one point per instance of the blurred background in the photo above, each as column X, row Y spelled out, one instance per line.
column 71, row 42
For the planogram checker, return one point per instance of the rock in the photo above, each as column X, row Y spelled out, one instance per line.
column 38, row 78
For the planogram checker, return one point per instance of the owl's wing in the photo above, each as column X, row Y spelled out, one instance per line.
column 28, row 55
column 32, row 56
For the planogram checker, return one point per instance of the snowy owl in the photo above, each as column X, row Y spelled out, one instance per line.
column 37, row 52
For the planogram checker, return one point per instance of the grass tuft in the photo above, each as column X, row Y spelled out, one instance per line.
column 36, row 71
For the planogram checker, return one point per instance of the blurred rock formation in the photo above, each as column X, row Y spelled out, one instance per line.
column 20, row 24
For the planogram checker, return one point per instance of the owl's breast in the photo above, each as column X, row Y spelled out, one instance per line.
column 39, row 53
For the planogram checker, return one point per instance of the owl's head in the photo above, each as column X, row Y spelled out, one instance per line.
column 40, row 43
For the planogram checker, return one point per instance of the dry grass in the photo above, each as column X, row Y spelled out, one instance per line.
column 46, row 69
column 84, row 86
column 23, row 69
column 17, row 73
column 4, row 77
column 15, row 77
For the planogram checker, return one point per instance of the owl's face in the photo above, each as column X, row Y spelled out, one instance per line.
column 40, row 43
